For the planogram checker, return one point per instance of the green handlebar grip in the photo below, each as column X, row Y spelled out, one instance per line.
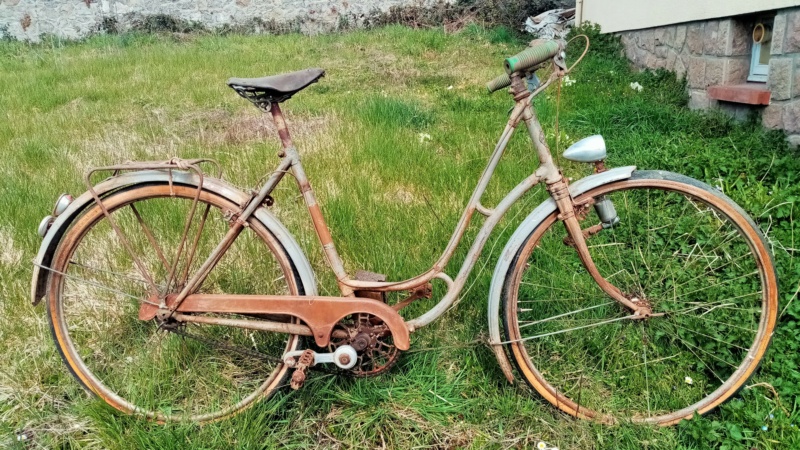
column 498, row 83
column 532, row 56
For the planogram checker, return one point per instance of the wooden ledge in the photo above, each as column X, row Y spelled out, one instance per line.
column 749, row 93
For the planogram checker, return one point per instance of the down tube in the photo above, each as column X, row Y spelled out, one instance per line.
column 492, row 220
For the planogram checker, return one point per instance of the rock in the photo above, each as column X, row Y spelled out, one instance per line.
column 779, row 80
column 778, row 34
column 694, row 38
column 791, row 117
column 796, row 82
column 715, row 37
column 739, row 39
column 698, row 99
column 736, row 70
column 792, row 40
column 697, row 72
column 715, row 71
column 772, row 117
column 680, row 37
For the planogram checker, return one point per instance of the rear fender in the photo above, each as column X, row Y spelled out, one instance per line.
column 41, row 274
column 518, row 239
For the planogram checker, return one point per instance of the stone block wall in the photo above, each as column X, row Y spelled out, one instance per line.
column 718, row 52
column 74, row 19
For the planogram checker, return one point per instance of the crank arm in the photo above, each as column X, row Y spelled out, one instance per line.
column 345, row 357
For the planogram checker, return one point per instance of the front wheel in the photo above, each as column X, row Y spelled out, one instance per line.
column 104, row 271
column 686, row 250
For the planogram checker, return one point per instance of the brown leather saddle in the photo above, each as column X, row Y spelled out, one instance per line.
column 265, row 91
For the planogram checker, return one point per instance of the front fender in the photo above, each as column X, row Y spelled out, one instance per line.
column 518, row 239
column 51, row 240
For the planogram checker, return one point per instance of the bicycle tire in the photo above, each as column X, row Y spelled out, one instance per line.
column 205, row 372
column 686, row 249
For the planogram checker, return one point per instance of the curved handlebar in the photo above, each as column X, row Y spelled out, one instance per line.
column 530, row 57
column 533, row 56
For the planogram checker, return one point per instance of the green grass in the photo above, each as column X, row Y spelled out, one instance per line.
column 391, row 197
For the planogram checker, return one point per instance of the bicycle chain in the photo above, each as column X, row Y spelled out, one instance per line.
column 252, row 353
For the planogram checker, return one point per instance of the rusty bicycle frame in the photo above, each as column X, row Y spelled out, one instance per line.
column 359, row 318
column 320, row 314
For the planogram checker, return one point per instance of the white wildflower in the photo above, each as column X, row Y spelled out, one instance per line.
column 568, row 81
column 424, row 137
column 688, row 380
column 636, row 86
column 450, row 87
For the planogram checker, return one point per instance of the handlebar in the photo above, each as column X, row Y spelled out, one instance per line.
column 500, row 82
column 530, row 57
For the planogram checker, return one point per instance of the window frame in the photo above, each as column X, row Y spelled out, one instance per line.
column 759, row 72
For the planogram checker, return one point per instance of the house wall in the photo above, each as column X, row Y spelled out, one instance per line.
column 717, row 52
column 74, row 19
column 621, row 15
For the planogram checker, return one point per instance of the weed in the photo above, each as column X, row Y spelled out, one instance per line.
column 161, row 23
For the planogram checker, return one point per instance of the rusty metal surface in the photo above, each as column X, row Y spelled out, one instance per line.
column 368, row 335
column 283, row 130
column 341, row 317
column 305, row 361
column 321, row 314
column 564, row 202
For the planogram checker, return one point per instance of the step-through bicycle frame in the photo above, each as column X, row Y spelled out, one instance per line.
column 307, row 314
column 547, row 171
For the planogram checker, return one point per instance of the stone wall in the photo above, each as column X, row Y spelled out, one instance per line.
column 717, row 52
column 73, row 19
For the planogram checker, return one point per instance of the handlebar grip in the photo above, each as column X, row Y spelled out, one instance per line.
column 499, row 82
column 532, row 56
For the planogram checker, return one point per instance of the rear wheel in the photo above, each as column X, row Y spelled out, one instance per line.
column 165, row 370
column 683, row 248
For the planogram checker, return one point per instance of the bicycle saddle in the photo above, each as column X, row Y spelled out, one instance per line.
column 275, row 88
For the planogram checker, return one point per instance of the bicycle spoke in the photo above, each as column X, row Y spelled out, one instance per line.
column 116, row 274
column 538, row 336
column 190, row 257
column 150, row 236
column 527, row 323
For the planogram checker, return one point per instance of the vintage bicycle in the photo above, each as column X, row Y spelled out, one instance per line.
column 628, row 295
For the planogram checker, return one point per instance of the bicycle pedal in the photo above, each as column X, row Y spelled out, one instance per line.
column 305, row 361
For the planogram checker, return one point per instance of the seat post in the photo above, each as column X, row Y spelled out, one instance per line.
column 283, row 130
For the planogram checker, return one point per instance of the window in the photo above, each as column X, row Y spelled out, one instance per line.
column 762, row 45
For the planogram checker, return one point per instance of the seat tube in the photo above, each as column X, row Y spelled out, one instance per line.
column 283, row 129
column 317, row 219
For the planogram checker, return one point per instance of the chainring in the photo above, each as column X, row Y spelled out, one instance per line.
column 373, row 341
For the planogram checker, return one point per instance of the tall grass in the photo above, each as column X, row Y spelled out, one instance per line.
column 393, row 139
